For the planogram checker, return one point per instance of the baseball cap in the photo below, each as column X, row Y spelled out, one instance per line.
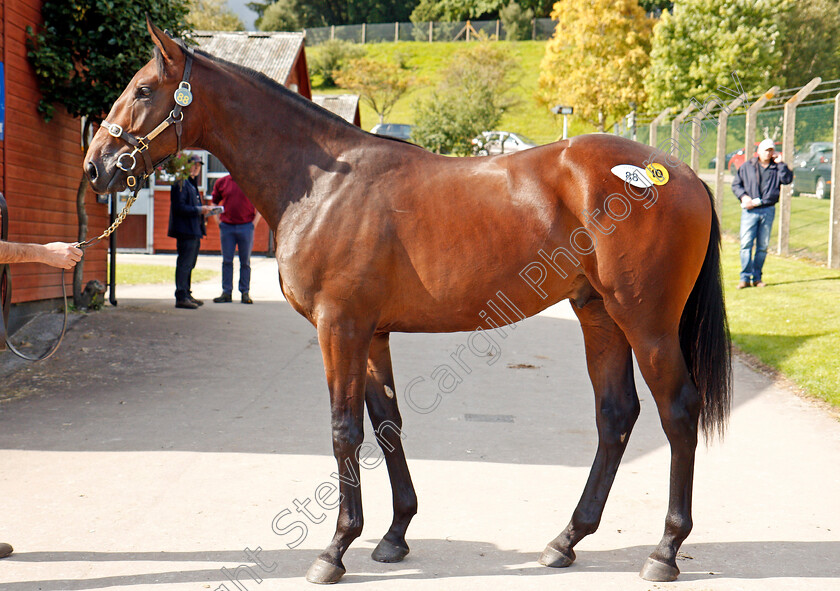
column 195, row 158
column 765, row 144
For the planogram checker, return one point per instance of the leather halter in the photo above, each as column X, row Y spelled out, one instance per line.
column 127, row 161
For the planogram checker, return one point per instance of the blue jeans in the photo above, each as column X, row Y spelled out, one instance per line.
column 755, row 227
column 235, row 236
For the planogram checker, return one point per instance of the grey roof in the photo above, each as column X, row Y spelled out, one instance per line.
column 273, row 54
column 343, row 105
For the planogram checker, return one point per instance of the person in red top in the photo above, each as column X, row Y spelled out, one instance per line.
column 236, row 228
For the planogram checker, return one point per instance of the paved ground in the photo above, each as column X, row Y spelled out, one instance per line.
column 159, row 445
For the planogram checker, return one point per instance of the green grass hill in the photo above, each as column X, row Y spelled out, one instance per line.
column 528, row 117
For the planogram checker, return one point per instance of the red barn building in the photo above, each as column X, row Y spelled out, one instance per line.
column 40, row 165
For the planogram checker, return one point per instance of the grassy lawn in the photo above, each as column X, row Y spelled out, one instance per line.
column 428, row 59
column 136, row 274
column 793, row 324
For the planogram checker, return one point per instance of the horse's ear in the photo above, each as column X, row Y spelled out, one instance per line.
column 168, row 48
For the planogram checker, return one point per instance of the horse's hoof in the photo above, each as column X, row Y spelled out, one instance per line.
column 5, row 549
column 324, row 573
column 658, row 572
column 556, row 559
column 386, row 551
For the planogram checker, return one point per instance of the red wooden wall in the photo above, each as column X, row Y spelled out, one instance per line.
column 41, row 166
column 210, row 244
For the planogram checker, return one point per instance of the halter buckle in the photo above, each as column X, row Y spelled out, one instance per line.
column 131, row 181
column 115, row 130
column 179, row 119
column 120, row 161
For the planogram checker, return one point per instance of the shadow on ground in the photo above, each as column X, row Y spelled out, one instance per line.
column 445, row 559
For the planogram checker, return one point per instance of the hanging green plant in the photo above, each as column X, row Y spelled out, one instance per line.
column 176, row 168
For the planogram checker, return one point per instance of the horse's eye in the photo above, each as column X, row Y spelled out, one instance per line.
column 144, row 91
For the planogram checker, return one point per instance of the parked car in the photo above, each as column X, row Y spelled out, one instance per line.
column 812, row 173
column 727, row 158
column 500, row 142
column 809, row 150
column 738, row 159
column 401, row 131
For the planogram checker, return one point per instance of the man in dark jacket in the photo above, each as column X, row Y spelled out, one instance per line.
column 756, row 185
column 186, row 225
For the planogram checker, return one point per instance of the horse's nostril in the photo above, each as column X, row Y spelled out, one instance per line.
column 91, row 171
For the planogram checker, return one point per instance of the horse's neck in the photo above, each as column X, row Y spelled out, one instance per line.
column 271, row 144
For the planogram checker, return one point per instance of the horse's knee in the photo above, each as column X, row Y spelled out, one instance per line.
column 347, row 435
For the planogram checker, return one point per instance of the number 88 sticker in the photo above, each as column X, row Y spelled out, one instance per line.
column 657, row 173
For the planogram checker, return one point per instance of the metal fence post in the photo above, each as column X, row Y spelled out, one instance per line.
column 834, row 218
column 720, row 151
column 498, row 32
column 396, row 32
column 364, row 26
column 332, row 32
column 431, row 25
column 752, row 117
column 654, row 125
column 788, row 127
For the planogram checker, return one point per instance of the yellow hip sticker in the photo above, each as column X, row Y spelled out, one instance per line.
column 657, row 173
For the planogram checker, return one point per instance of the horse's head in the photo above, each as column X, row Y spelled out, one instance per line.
column 145, row 124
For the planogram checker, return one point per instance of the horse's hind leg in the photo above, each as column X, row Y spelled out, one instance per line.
column 385, row 417
column 610, row 364
column 663, row 366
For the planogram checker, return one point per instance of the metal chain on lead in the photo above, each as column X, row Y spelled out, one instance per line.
column 119, row 219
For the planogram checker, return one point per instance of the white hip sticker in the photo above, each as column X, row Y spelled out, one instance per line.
column 633, row 175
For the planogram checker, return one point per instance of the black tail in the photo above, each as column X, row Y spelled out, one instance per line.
column 704, row 337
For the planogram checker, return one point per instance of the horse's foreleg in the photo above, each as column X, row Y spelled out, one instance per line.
column 663, row 367
column 387, row 424
column 610, row 365
column 344, row 347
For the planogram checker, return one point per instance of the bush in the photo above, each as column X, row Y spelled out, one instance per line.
column 517, row 22
column 331, row 58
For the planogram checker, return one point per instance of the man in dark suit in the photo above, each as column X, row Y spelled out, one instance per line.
column 186, row 225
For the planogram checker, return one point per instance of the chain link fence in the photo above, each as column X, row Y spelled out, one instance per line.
column 541, row 29
column 810, row 161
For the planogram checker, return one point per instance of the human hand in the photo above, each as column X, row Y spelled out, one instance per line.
column 206, row 209
column 746, row 202
column 62, row 255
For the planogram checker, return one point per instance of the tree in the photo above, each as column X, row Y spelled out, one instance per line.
column 696, row 49
column 517, row 21
column 83, row 56
column 471, row 98
column 331, row 58
column 596, row 59
column 379, row 84
column 816, row 53
column 321, row 13
column 213, row 15
column 283, row 15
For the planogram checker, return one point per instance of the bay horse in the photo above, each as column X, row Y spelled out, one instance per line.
column 377, row 236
